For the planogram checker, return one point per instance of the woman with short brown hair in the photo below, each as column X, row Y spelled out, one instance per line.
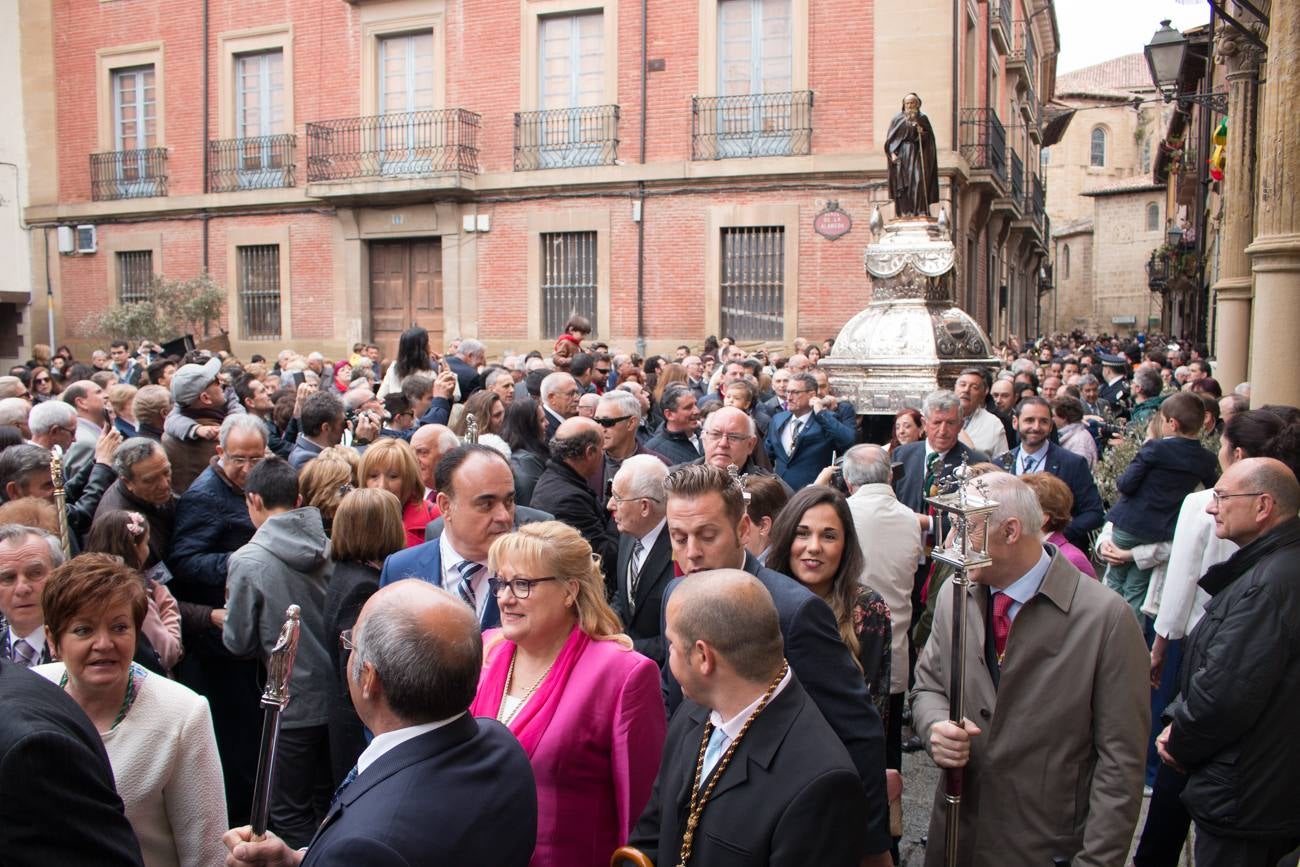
column 158, row 734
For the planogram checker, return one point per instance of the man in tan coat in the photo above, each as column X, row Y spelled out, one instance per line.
column 1056, row 704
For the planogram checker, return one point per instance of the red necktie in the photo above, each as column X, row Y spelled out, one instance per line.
column 1001, row 621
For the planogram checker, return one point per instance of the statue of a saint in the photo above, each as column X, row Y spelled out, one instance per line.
column 913, row 162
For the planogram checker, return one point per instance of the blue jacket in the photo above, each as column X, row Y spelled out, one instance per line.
column 822, row 436
column 1087, row 513
column 424, row 561
column 485, row 811
column 211, row 523
column 1153, row 486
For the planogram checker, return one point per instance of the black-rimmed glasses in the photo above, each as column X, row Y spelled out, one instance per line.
column 520, row 588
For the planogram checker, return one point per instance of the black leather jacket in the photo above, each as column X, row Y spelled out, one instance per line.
column 1234, row 722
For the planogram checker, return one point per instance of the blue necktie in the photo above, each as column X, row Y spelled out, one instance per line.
column 347, row 781
column 468, row 571
column 713, row 752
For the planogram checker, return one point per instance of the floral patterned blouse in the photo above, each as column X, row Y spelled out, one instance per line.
column 871, row 624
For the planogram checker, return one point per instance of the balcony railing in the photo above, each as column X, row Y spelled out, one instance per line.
column 1000, row 15
column 135, row 174
column 1039, row 193
column 263, row 162
column 757, row 125
column 566, row 137
column 984, row 141
column 1017, row 177
column 418, row 143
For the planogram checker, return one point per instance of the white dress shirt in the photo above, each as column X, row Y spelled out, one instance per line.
column 788, row 432
column 451, row 561
column 731, row 728
column 391, row 740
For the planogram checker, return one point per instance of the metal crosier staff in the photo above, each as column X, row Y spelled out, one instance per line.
column 60, row 498
column 961, row 498
column 274, row 700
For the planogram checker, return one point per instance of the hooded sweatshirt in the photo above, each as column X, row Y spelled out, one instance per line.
column 286, row 563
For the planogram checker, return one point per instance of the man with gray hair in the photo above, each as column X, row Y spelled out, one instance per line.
column 465, row 362
column 27, row 557
column 1051, row 774
column 937, row 455
column 619, row 415
column 14, row 412
column 144, row 485
column 891, row 545
column 559, row 400
column 645, row 552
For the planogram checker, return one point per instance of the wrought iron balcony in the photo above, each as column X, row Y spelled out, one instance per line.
column 566, row 137
column 756, row 125
column 1039, row 192
column 134, row 174
column 1000, row 19
column 418, row 143
column 984, row 141
column 1017, row 177
column 261, row 162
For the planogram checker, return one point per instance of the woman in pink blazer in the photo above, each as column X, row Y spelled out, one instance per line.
column 586, row 708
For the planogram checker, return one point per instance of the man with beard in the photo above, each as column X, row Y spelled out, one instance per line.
column 913, row 163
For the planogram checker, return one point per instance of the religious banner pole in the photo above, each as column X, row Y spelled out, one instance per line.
column 963, row 498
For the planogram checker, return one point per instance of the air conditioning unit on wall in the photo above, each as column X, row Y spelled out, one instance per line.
column 77, row 240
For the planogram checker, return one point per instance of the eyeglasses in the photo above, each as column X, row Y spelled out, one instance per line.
column 603, row 371
column 616, row 498
column 1219, row 498
column 520, row 588
column 41, row 379
column 610, row 422
column 799, row 390
column 345, row 640
column 734, row 438
column 242, row 461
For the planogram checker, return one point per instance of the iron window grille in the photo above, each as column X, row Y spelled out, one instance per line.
column 134, row 276
column 259, row 291
column 569, row 270
column 753, row 282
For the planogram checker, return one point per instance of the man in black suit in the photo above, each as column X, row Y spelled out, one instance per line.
column 775, row 785
column 414, row 666
column 707, row 525
column 559, row 396
column 645, row 554
column 469, row 357
column 1038, row 454
column 577, row 454
column 60, row 805
column 938, row 454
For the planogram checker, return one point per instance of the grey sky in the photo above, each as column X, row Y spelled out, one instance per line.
column 1093, row 31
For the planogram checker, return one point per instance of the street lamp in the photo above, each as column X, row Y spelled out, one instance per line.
column 1174, row 236
column 1165, row 53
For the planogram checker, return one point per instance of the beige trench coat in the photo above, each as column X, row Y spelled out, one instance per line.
column 1058, row 767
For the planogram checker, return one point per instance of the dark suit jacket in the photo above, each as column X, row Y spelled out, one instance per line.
column 912, row 457
column 641, row 616
column 424, row 561
column 466, row 375
column 564, row 493
column 1087, row 512
column 60, row 804
column 484, row 812
column 822, row 436
column 789, row 796
column 819, row 657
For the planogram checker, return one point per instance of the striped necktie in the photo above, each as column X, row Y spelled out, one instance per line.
column 468, row 572
column 634, row 572
column 347, row 781
column 24, row 653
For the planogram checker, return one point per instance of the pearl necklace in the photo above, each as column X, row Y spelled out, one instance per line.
column 503, row 716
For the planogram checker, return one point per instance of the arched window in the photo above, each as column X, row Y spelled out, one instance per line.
column 1153, row 217
column 1065, row 262
column 1098, row 146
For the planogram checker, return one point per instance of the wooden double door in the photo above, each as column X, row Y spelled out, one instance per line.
column 405, row 290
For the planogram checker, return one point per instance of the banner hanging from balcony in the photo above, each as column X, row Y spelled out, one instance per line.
column 831, row 222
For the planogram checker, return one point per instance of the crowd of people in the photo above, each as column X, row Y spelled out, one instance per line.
column 683, row 608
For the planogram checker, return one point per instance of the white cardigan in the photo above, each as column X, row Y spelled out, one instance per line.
column 165, row 763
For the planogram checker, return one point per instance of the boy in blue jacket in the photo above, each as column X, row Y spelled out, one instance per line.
column 1152, row 489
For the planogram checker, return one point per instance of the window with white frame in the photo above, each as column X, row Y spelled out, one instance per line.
column 572, row 126
column 409, row 136
column 135, row 120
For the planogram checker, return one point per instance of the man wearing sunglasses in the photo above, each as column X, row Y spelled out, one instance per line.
column 619, row 417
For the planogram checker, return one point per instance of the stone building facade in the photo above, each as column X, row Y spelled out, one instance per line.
column 347, row 168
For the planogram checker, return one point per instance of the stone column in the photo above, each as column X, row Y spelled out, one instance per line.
column 1235, row 289
column 1275, row 253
